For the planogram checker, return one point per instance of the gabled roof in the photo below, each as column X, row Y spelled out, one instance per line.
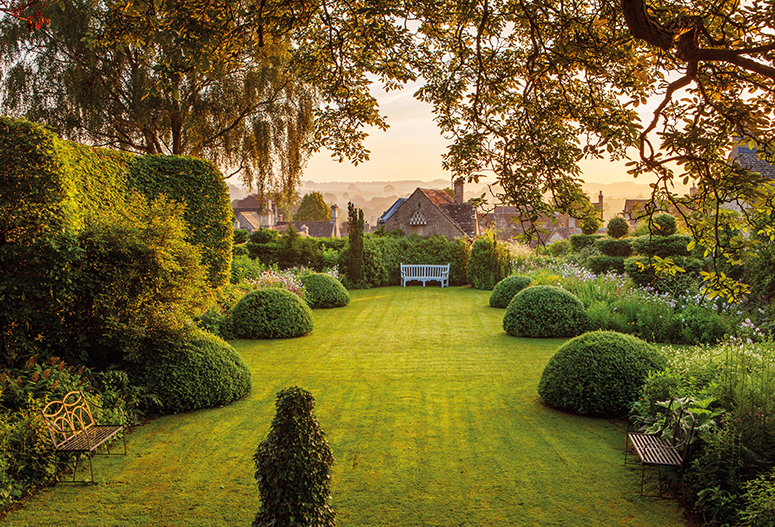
column 393, row 208
column 251, row 203
column 251, row 218
column 462, row 215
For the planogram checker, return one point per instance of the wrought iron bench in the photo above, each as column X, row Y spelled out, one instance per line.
column 425, row 273
column 73, row 430
column 654, row 450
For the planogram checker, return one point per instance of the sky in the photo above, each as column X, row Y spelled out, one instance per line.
column 412, row 148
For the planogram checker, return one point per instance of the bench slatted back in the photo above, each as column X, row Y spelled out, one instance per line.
column 68, row 417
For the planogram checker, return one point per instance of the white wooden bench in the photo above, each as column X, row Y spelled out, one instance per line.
column 425, row 273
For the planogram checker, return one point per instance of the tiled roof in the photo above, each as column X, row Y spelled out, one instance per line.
column 248, row 219
column 250, row 203
column 392, row 210
column 316, row 229
column 463, row 215
column 749, row 159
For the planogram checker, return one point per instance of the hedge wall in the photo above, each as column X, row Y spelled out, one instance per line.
column 52, row 186
column 200, row 186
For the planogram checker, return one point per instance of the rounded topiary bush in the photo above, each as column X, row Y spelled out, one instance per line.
column 598, row 373
column 324, row 291
column 618, row 228
column 506, row 289
column 195, row 369
column 270, row 314
column 544, row 311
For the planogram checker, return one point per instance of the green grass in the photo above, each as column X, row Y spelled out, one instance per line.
column 433, row 416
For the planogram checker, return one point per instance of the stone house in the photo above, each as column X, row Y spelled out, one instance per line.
column 429, row 211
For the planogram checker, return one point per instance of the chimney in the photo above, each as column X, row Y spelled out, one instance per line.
column 334, row 208
column 600, row 199
column 459, row 190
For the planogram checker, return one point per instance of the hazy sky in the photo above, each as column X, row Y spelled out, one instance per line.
column 412, row 148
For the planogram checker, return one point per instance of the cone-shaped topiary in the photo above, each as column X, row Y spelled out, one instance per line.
column 293, row 466
column 506, row 289
column 270, row 314
column 598, row 373
column 324, row 291
column 545, row 311
column 193, row 369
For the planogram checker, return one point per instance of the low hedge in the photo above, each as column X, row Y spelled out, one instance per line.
column 196, row 370
column 545, row 311
column 324, row 291
column 507, row 289
column 613, row 247
column 604, row 264
column 269, row 314
column 598, row 373
column 662, row 246
column 579, row 241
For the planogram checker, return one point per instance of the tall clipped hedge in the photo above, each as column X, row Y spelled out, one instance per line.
column 199, row 185
column 383, row 256
column 489, row 262
column 49, row 186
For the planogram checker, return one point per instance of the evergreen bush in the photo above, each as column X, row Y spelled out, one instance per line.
column 665, row 225
column 293, row 466
column 618, row 228
column 613, row 247
column 579, row 241
column 489, row 262
column 545, row 312
column 271, row 313
column 194, row 369
column 604, row 264
column 506, row 289
column 324, row 291
column 598, row 373
column 662, row 246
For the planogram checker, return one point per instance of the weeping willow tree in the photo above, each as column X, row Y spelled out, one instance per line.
column 111, row 77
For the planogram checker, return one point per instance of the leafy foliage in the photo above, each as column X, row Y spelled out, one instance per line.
column 598, row 373
column 324, row 291
column 293, row 466
column 271, row 313
column 618, row 228
column 489, row 262
column 545, row 311
column 193, row 369
column 313, row 208
column 355, row 238
column 580, row 241
column 506, row 289
column 614, row 247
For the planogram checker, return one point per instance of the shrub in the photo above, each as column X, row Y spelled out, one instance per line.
column 240, row 236
column 543, row 312
column 702, row 325
column 271, row 313
column 598, row 373
column 665, row 225
column 244, row 269
column 760, row 501
column 262, row 235
column 293, row 466
column 324, row 291
column 604, row 264
column 618, row 228
column 662, row 246
column 506, row 289
column 488, row 263
column 558, row 248
column 579, row 241
column 613, row 247
column 194, row 369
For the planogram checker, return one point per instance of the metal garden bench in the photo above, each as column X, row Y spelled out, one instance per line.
column 654, row 450
column 73, row 430
column 425, row 273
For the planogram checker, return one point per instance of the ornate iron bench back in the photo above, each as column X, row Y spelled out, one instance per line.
column 67, row 418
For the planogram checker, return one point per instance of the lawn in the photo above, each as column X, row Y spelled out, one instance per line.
column 433, row 416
